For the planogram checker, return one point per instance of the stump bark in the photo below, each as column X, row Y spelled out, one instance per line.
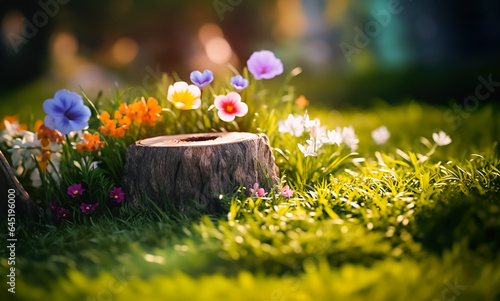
column 196, row 167
column 24, row 208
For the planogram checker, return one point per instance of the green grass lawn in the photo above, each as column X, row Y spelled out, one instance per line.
column 399, row 221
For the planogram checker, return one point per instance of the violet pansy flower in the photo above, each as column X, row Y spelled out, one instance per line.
column 201, row 80
column 66, row 112
column 239, row 83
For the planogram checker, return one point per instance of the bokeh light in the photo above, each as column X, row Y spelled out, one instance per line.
column 125, row 50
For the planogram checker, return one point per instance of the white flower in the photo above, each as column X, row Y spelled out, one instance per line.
column 441, row 138
column 23, row 150
column 11, row 130
column 318, row 132
column 36, row 181
column 335, row 137
column 381, row 135
column 309, row 151
column 292, row 125
column 349, row 138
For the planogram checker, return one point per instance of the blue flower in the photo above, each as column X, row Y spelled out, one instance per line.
column 66, row 112
column 239, row 83
column 201, row 80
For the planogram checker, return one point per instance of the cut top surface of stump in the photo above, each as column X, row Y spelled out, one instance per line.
column 197, row 140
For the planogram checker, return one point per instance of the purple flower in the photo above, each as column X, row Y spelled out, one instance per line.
column 75, row 190
column 287, row 192
column 53, row 206
column 201, row 80
column 117, row 194
column 57, row 211
column 239, row 83
column 263, row 64
column 62, row 213
column 66, row 112
column 88, row 208
column 260, row 192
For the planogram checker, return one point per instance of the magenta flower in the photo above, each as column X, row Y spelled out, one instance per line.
column 263, row 64
column 117, row 194
column 260, row 192
column 62, row 213
column 57, row 211
column 239, row 83
column 287, row 192
column 230, row 106
column 75, row 190
column 88, row 208
column 201, row 80
column 54, row 206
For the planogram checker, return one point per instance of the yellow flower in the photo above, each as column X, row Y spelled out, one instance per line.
column 184, row 96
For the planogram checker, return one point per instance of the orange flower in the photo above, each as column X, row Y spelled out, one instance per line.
column 109, row 128
column 119, row 132
column 153, row 111
column 38, row 124
column 134, row 111
column 93, row 143
column 12, row 119
column 42, row 160
column 47, row 135
column 302, row 102
column 104, row 117
column 122, row 120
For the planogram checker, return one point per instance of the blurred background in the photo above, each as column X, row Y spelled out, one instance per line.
column 352, row 52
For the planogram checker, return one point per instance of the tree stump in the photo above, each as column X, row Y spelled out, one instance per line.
column 24, row 207
column 196, row 167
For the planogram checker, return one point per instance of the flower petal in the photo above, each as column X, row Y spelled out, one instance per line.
column 241, row 109
column 224, row 116
column 219, row 102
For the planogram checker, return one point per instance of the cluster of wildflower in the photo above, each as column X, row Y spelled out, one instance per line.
column 29, row 149
column 137, row 112
column 299, row 125
column 286, row 191
column 261, row 64
column 76, row 190
column 90, row 143
column 10, row 128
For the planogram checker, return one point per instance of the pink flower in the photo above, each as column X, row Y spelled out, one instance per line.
column 264, row 65
column 230, row 106
column 117, row 194
column 260, row 192
column 75, row 190
column 88, row 208
column 287, row 192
